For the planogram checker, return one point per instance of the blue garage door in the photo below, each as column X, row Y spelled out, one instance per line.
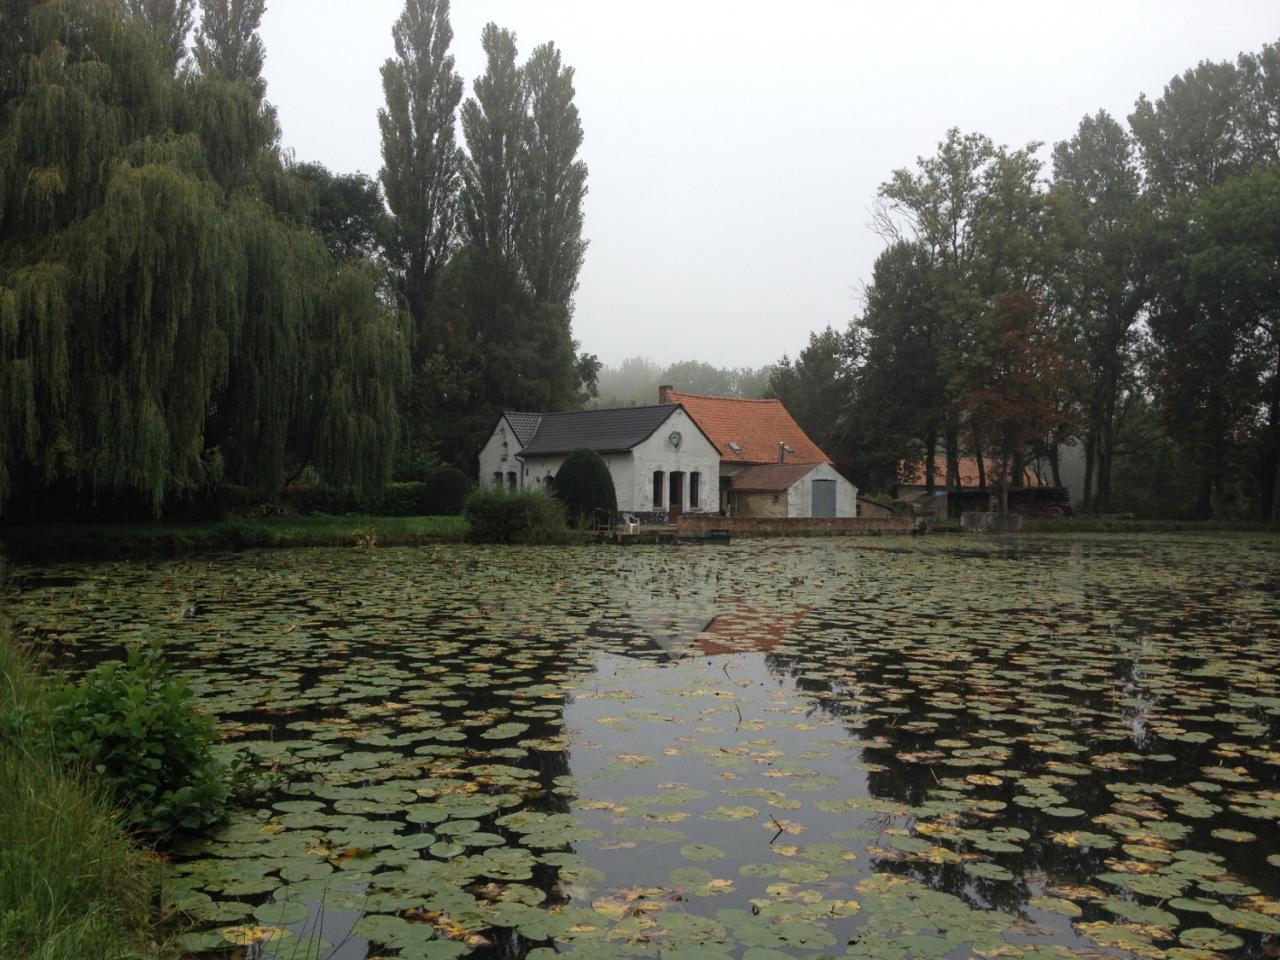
column 824, row 498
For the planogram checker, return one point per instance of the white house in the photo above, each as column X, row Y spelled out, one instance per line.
column 658, row 456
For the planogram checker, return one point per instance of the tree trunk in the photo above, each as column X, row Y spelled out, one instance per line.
column 1090, row 443
column 953, row 458
column 1107, row 441
column 930, row 463
column 1204, row 492
column 982, row 467
column 1275, row 450
column 1055, row 465
column 1004, row 479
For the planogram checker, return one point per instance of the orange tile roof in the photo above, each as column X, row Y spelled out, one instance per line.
column 765, row 477
column 913, row 475
column 756, row 427
column 749, row 629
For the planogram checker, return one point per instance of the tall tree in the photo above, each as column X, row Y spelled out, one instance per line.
column 817, row 388
column 348, row 212
column 421, row 160
column 550, row 242
column 1100, row 283
column 170, row 21
column 494, row 125
column 1212, row 125
column 1233, row 267
column 1011, row 391
column 168, row 318
column 901, row 398
column 974, row 209
column 228, row 45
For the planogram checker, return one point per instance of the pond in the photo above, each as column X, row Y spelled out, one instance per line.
column 883, row 748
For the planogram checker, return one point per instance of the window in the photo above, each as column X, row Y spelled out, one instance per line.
column 695, row 490
column 658, row 485
column 497, row 478
column 511, row 481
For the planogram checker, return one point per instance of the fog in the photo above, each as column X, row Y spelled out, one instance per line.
column 735, row 148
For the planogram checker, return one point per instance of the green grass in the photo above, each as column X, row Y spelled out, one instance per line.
column 124, row 540
column 73, row 884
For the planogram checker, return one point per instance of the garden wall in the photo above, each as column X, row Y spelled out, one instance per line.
column 698, row 524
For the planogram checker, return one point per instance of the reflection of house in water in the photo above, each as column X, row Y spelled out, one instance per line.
column 746, row 629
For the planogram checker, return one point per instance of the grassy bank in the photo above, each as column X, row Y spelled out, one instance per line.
column 127, row 540
column 73, row 884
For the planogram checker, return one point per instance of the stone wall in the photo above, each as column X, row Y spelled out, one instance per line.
column 795, row 527
column 760, row 506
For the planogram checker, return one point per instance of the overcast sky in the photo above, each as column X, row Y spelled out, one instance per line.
column 735, row 147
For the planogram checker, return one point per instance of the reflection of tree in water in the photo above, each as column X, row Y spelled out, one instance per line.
column 1067, row 714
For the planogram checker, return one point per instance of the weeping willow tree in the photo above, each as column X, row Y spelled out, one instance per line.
column 168, row 319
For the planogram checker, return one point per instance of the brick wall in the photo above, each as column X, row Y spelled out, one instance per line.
column 797, row 527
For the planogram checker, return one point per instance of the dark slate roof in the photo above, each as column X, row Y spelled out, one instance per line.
column 523, row 425
column 604, row 431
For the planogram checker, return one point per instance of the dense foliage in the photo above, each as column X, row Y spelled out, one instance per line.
column 169, row 319
column 585, row 487
column 1146, row 272
column 183, row 307
column 496, row 516
column 134, row 726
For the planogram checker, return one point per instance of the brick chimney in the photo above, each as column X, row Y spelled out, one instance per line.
column 664, row 394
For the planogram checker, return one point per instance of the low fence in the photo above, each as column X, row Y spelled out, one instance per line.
column 701, row 524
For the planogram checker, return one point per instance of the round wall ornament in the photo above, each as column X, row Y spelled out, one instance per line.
column 675, row 439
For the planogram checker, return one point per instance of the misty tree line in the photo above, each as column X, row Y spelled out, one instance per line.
column 1127, row 301
column 183, row 306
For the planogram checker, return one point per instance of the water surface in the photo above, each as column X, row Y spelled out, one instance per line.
column 874, row 748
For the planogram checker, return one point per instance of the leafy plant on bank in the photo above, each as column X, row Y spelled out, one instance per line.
column 134, row 725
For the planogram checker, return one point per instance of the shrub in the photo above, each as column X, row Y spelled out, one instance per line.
column 306, row 498
column 585, row 486
column 405, row 500
column 73, row 884
column 496, row 516
column 133, row 724
column 446, row 493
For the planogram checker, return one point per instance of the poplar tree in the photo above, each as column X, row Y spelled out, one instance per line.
column 494, row 125
column 170, row 21
column 421, row 160
column 555, row 181
column 228, row 45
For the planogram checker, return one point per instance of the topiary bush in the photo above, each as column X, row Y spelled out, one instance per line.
column 135, row 726
column 496, row 516
column 585, row 487
column 446, row 492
